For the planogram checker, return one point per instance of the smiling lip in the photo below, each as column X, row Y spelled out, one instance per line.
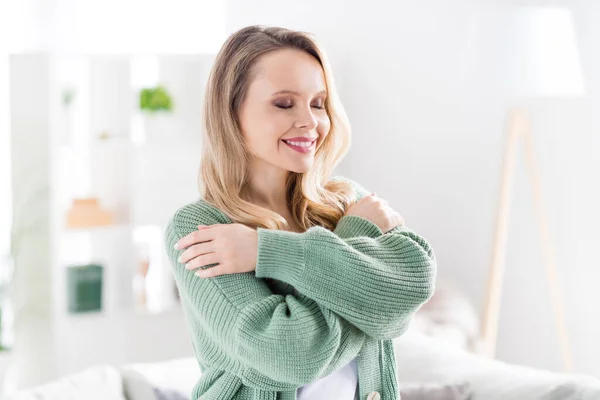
column 300, row 139
column 301, row 149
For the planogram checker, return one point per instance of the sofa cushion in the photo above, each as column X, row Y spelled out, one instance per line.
column 102, row 382
column 436, row 391
column 170, row 394
column 423, row 359
column 168, row 379
column 175, row 379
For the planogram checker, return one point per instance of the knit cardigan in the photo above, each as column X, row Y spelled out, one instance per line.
column 315, row 301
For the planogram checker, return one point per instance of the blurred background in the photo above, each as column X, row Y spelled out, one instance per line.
column 100, row 119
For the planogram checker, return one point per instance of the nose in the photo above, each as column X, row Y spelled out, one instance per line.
column 306, row 120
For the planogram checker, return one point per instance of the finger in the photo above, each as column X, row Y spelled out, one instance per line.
column 379, row 200
column 209, row 272
column 400, row 219
column 196, row 250
column 201, row 261
column 201, row 235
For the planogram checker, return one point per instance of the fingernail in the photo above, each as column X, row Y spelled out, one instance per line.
column 176, row 247
column 179, row 259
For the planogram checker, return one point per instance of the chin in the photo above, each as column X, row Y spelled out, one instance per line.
column 300, row 169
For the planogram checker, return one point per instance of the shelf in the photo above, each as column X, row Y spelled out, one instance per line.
column 131, row 312
column 99, row 229
column 142, row 182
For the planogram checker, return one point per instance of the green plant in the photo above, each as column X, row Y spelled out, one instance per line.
column 68, row 95
column 155, row 99
column 22, row 223
column 5, row 275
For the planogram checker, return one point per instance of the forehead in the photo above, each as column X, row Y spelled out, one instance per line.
column 289, row 69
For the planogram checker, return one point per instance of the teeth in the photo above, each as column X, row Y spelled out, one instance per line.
column 300, row 144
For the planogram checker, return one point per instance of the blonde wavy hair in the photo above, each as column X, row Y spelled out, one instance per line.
column 315, row 199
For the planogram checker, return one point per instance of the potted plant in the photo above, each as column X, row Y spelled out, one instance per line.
column 6, row 310
column 12, row 301
column 156, row 106
column 155, row 99
column 5, row 323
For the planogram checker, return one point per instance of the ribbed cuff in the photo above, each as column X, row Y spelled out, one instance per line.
column 353, row 225
column 280, row 255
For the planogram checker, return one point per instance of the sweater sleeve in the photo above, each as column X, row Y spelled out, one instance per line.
column 376, row 281
column 288, row 338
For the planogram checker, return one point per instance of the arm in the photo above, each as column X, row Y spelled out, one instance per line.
column 289, row 339
column 352, row 225
column 376, row 281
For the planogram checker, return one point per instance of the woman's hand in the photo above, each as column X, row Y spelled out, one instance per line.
column 233, row 246
column 376, row 210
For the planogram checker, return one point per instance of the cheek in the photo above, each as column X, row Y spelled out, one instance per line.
column 276, row 123
column 324, row 125
column 263, row 128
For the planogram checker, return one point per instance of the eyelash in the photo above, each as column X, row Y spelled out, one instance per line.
column 288, row 107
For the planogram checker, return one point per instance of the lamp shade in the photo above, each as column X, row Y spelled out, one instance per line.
column 542, row 54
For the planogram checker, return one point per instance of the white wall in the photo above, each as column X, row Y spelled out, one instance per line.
column 422, row 83
column 111, row 26
column 5, row 200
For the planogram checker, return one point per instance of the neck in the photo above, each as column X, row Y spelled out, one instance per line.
column 267, row 188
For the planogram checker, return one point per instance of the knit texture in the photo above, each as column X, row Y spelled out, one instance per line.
column 316, row 300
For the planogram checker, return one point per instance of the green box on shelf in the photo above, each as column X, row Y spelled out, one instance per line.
column 84, row 285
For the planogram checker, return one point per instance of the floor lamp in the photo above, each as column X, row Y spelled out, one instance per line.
column 536, row 54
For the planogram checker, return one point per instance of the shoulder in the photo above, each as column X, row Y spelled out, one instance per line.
column 360, row 190
column 186, row 218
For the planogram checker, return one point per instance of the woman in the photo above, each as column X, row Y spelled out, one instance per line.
column 293, row 283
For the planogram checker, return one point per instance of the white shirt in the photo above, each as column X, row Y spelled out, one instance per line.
column 339, row 385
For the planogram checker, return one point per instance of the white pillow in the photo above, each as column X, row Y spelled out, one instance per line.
column 424, row 359
column 102, row 382
column 155, row 380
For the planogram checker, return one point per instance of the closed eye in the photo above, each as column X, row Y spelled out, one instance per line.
column 288, row 107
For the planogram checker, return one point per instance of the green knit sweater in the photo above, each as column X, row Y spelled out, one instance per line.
column 316, row 300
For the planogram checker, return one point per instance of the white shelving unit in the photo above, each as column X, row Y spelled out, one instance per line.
column 142, row 171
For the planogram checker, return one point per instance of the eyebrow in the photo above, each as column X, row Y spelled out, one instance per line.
column 296, row 93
